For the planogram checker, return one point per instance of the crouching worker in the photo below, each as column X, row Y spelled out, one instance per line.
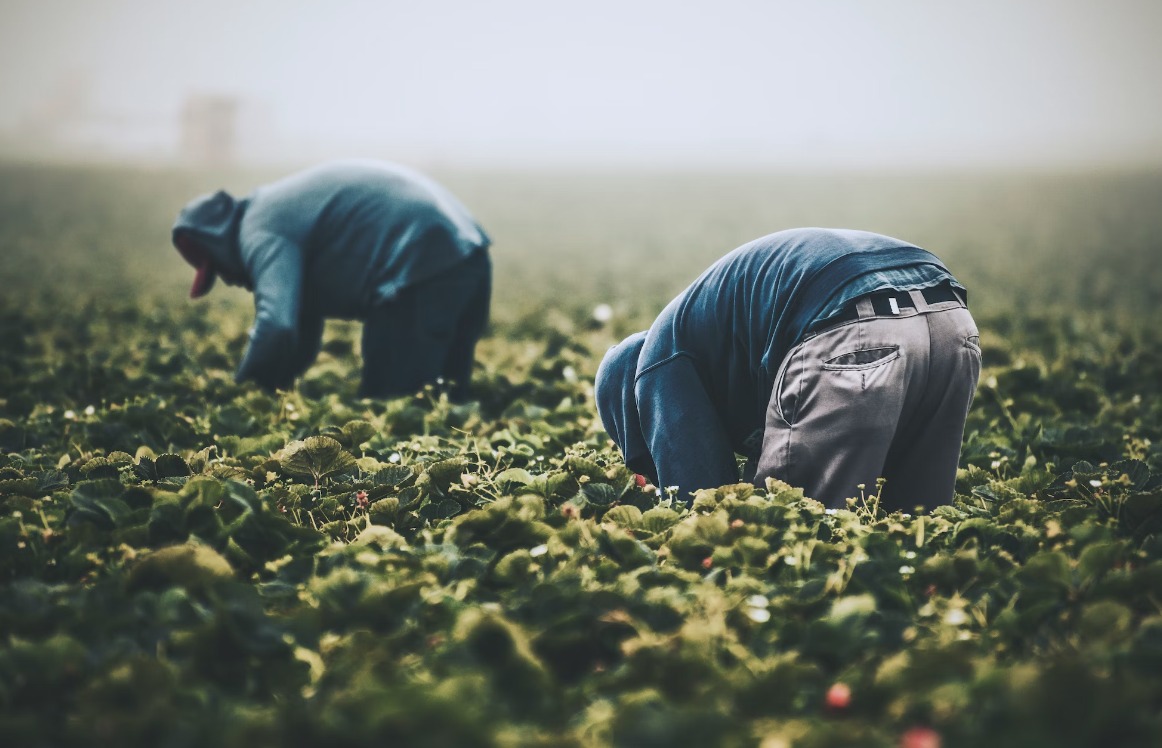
column 351, row 240
column 827, row 358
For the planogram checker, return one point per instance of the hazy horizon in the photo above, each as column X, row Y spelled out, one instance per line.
column 838, row 84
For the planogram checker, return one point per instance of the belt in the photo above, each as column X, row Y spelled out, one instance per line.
column 882, row 303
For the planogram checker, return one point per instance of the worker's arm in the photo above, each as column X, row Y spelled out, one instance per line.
column 273, row 357
column 685, row 435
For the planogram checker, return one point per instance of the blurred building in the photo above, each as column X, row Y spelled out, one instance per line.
column 209, row 129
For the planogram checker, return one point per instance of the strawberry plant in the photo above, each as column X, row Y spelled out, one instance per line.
column 189, row 561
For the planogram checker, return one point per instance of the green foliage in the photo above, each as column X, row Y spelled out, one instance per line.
column 189, row 561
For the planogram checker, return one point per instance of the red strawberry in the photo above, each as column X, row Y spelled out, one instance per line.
column 838, row 697
column 707, row 562
column 920, row 737
column 640, row 480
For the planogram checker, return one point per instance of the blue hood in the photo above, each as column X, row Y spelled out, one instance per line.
column 617, row 406
column 213, row 221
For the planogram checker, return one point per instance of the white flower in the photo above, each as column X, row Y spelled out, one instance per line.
column 1095, row 483
column 90, row 410
column 905, row 569
column 910, row 555
column 956, row 617
column 790, row 560
column 602, row 313
column 539, row 550
column 830, row 511
column 70, row 415
column 757, row 601
column 758, row 615
column 570, row 374
column 394, row 458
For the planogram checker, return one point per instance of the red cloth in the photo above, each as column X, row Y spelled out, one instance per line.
column 197, row 257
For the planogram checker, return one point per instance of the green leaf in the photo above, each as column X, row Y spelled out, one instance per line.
column 171, row 466
column 508, row 479
column 624, row 516
column 190, row 565
column 357, row 432
column 659, row 519
column 315, row 456
column 599, row 494
column 99, row 502
column 393, row 476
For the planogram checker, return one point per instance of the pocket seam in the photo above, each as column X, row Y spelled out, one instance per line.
column 780, row 378
column 862, row 367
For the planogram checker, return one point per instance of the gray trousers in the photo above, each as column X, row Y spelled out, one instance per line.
column 880, row 396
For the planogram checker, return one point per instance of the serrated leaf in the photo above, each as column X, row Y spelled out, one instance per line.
column 99, row 501
column 315, row 456
column 599, row 494
column 506, row 479
column 393, row 475
column 659, row 519
column 624, row 516
column 51, row 480
column 441, row 475
column 170, row 466
column 356, row 432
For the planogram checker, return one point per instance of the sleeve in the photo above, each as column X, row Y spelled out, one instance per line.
column 276, row 267
column 685, row 435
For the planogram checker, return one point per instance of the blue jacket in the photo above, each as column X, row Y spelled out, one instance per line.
column 685, row 397
column 332, row 241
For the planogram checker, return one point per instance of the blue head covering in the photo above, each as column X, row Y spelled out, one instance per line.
column 212, row 222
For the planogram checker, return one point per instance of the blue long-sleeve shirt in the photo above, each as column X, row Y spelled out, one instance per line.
column 332, row 241
column 686, row 396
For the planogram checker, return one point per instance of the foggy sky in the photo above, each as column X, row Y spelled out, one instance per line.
column 813, row 81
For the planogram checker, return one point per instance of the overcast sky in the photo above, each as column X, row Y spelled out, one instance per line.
column 812, row 81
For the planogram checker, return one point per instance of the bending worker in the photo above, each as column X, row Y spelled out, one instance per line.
column 827, row 358
column 352, row 240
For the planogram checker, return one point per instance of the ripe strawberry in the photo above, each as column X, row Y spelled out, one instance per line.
column 838, row 697
column 920, row 737
column 640, row 480
column 707, row 562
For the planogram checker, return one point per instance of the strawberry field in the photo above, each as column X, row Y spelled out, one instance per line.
column 185, row 561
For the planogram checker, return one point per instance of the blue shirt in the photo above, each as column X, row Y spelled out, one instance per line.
column 692, row 392
column 335, row 240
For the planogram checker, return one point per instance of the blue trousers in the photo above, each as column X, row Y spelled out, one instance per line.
column 428, row 332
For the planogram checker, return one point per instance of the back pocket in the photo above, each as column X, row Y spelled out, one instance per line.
column 868, row 358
